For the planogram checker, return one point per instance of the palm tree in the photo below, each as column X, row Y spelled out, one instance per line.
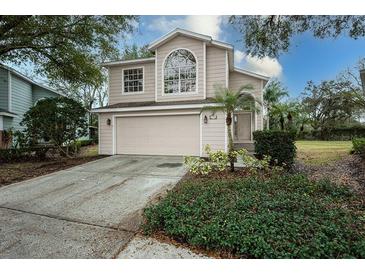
column 228, row 101
column 272, row 95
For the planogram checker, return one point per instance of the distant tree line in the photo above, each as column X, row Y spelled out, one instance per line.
column 331, row 109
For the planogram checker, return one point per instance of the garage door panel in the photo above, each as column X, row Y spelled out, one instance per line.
column 158, row 135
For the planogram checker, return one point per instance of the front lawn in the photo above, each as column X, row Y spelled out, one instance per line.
column 322, row 152
column 286, row 216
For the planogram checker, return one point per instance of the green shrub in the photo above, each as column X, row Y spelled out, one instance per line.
column 283, row 217
column 358, row 146
column 23, row 154
column 278, row 145
column 217, row 161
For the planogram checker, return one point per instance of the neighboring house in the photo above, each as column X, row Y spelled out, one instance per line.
column 156, row 104
column 17, row 94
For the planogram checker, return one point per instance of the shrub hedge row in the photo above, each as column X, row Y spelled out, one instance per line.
column 279, row 145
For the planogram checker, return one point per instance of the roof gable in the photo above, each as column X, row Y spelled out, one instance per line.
column 181, row 32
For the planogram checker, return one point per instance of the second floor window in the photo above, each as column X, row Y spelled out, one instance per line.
column 180, row 72
column 133, row 80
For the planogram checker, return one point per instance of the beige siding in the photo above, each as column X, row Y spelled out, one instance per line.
column 105, row 134
column 237, row 80
column 195, row 46
column 116, row 83
column 214, row 132
column 216, row 69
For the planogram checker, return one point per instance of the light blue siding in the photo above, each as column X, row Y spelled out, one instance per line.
column 3, row 89
column 21, row 99
column 39, row 93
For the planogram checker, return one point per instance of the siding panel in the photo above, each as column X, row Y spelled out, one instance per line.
column 216, row 69
column 39, row 93
column 3, row 89
column 236, row 80
column 213, row 133
column 21, row 97
column 115, row 84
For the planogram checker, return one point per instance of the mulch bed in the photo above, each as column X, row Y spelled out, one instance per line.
column 349, row 170
column 16, row 172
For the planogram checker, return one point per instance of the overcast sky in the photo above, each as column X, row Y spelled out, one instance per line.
column 308, row 58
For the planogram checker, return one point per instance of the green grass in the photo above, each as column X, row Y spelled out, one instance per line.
column 283, row 217
column 322, row 152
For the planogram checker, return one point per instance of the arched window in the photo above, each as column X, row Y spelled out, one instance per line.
column 180, row 72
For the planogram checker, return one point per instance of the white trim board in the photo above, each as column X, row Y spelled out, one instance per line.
column 204, row 70
column 7, row 114
column 172, row 34
column 125, row 62
column 253, row 74
column 167, row 107
column 157, row 114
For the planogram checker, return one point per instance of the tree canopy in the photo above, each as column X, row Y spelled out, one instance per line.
column 62, row 47
column 271, row 35
column 135, row 52
column 59, row 120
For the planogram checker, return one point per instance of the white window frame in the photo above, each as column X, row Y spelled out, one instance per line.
column 196, row 75
column 135, row 92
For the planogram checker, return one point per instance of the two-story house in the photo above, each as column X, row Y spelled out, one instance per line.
column 17, row 94
column 156, row 104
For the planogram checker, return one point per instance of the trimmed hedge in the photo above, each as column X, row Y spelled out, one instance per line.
column 279, row 145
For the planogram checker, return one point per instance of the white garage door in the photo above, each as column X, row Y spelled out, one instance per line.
column 158, row 135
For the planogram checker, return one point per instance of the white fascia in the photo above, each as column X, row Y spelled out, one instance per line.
column 125, row 109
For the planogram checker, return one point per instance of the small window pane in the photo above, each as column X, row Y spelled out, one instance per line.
column 133, row 80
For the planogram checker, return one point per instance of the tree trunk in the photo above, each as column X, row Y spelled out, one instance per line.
column 230, row 141
column 282, row 122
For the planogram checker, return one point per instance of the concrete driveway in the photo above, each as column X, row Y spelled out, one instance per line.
column 89, row 211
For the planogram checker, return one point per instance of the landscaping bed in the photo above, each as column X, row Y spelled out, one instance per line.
column 282, row 216
column 15, row 172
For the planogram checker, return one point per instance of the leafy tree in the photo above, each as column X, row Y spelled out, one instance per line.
column 273, row 93
column 135, row 52
column 62, row 47
column 60, row 120
column 284, row 115
column 329, row 103
column 352, row 75
column 271, row 35
column 229, row 101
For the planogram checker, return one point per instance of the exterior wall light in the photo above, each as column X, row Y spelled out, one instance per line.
column 213, row 116
column 108, row 122
column 205, row 119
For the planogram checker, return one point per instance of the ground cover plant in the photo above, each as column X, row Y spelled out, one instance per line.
column 285, row 216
